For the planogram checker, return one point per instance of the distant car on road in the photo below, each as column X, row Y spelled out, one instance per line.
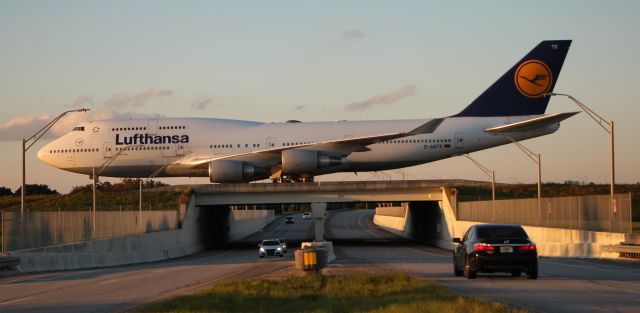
column 492, row 248
column 306, row 215
column 270, row 247
column 288, row 220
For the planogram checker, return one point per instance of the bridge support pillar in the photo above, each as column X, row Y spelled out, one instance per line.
column 317, row 212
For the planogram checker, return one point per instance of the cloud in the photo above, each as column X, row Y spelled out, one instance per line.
column 83, row 101
column 21, row 127
column 354, row 34
column 389, row 98
column 299, row 108
column 201, row 103
column 122, row 100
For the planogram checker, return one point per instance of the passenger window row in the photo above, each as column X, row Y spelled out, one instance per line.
column 173, row 127
column 288, row 144
column 74, row 150
column 228, row 146
column 143, row 128
column 128, row 128
column 417, row 141
column 144, row 148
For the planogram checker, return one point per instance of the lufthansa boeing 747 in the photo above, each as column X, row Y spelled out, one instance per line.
column 232, row 151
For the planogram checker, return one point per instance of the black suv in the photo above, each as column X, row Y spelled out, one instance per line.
column 492, row 248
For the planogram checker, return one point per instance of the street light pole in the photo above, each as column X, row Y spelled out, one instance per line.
column 535, row 157
column 93, row 203
column 26, row 145
column 608, row 127
column 102, row 167
column 489, row 173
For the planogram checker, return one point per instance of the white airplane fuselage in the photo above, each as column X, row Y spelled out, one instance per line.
column 512, row 108
column 161, row 144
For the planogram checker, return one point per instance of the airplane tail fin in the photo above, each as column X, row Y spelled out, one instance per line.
column 521, row 90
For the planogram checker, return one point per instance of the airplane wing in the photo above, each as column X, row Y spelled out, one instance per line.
column 531, row 124
column 339, row 147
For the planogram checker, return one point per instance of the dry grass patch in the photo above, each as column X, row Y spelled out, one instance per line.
column 314, row 293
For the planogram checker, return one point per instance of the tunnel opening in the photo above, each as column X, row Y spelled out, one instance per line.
column 213, row 225
column 425, row 222
column 345, row 223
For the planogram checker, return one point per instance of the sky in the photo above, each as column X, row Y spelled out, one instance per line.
column 273, row 61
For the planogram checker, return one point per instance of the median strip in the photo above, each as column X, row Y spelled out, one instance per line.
column 317, row 293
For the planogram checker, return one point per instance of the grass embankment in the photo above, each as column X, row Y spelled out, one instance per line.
column 315, row 293
column 105, row 201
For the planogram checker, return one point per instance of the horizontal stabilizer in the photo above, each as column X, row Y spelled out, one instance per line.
column 532, row 124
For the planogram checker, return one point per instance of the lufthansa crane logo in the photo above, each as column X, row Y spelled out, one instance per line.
column 533, row 79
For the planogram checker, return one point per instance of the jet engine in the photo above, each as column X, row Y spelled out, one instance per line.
column 230, row 171
column 301, row 162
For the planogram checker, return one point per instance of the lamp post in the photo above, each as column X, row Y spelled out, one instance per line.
column 608, row 127
column 535, row 157
column 95, row 176
column 491, row 174
column 27, row 144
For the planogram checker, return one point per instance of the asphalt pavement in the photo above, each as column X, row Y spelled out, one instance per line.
column 564, row 285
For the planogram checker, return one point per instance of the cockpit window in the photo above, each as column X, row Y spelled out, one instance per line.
column 78, row 129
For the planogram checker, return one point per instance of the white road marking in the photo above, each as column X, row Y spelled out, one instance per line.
column 17, row 300
column 107, row 282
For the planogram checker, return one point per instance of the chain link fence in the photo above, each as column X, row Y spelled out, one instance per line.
column 592, row 213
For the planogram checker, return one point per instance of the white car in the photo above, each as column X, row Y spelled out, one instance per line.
column 306, row 215
column 270, row 247
column 283, row 244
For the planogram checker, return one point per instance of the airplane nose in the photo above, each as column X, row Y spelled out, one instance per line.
column 41, row 153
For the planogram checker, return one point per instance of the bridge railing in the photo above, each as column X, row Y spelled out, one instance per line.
column 578, row 212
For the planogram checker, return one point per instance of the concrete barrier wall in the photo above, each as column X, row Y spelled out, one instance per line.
column 141, row 248
column 551, row 242
column 557, row 242
column 148, row 247
column 394, row 219
column 243, row 223
column 399, row 211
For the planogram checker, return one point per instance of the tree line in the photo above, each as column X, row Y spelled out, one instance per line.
column 42, row 189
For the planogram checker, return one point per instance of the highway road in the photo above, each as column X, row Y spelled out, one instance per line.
column 565, row 285
column 126, row 287
column 300, row 230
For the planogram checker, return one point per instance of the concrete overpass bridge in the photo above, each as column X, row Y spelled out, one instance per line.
column 328, row 192
column 427, row 214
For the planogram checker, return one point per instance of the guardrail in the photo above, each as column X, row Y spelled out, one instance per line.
column 7, row 261
column 628, row 251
